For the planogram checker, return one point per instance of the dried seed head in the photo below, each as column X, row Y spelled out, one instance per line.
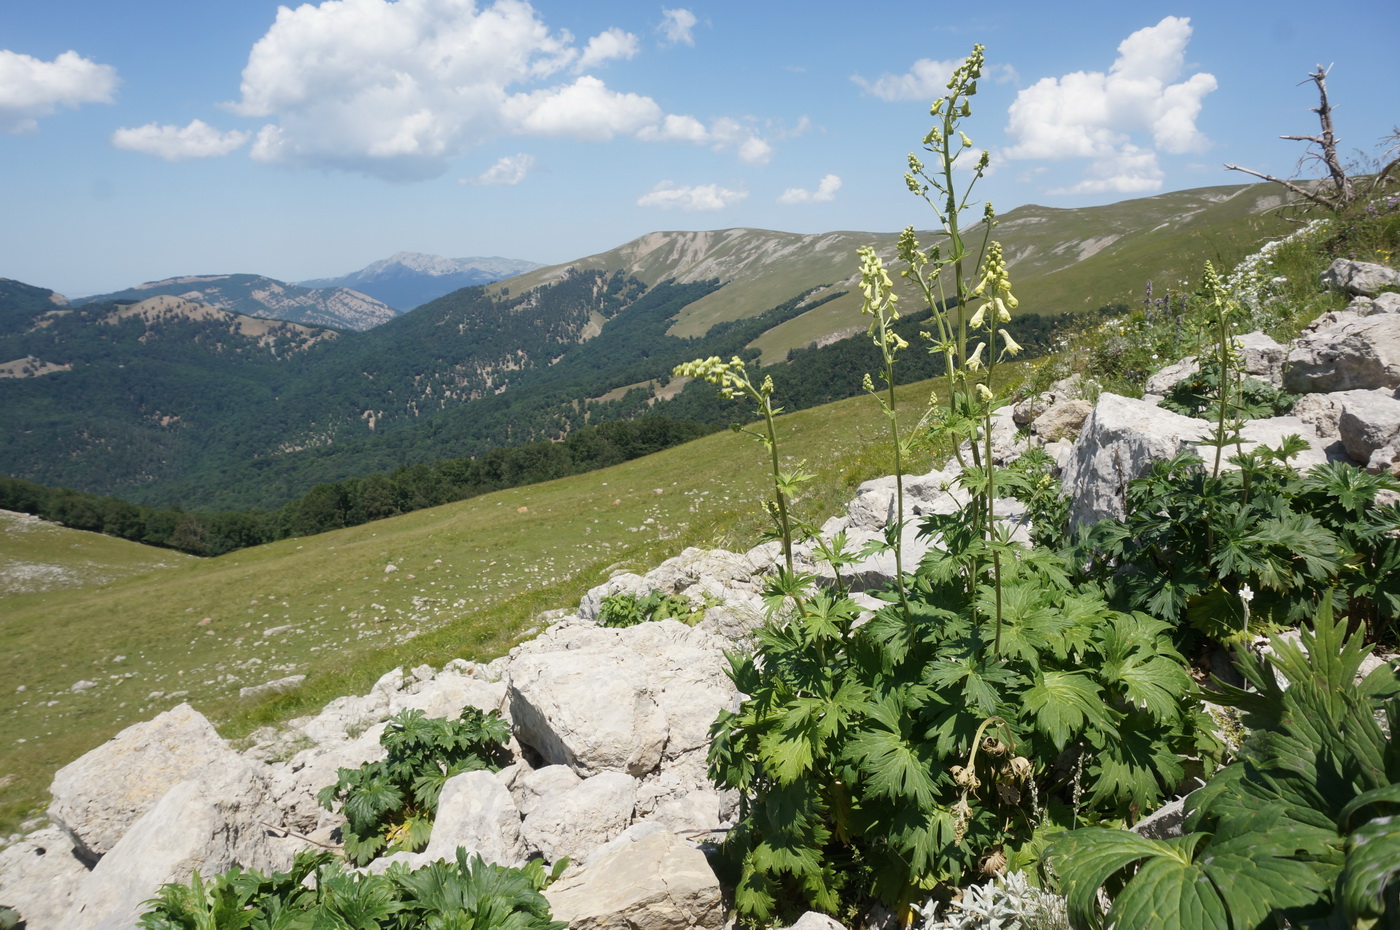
column 993, row 746
column 993, row 863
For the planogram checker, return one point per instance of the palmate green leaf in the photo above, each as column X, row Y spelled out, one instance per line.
column 1371, row 876
column 896, row 768
column 1087, row 859
column 980, row 681
column 1120, row 777
column 1168, row 894
column 787, row 753
column 371, row 800
column 1059, row 704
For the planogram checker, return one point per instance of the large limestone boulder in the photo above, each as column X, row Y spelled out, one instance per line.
column 576, row 821
column 1271, row 432
column 1363, row 278
column 1062, row 420
column 1347, row 353
column 647, row 879
column 1119, row 442
column 97, row 797
column 201, row 825
column 602, row 700
column 476, row 812
column 1369, row 425
column 38, row 876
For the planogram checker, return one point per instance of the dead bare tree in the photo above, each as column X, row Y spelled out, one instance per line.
column 1343, row 190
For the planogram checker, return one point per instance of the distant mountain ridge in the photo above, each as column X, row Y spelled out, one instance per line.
column 106, row 400
column 406, row 280
column 260, row 296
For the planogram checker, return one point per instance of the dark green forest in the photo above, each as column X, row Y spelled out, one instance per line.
column 182, row 432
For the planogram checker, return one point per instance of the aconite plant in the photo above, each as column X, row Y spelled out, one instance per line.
column 988, row 703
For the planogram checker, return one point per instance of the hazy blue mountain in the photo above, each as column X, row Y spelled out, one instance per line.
column 410, row 279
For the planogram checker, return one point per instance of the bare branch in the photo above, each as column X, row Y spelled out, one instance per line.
column 1343, row 188
column 1294, row 188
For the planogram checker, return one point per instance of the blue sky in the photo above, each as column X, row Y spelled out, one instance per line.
column 156, row 138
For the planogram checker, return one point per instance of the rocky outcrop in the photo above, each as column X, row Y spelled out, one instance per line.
column 1364, row 278
column 1346, row 352
column 99, row 796
column 1120, row 441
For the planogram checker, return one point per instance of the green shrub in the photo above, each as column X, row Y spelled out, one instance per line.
column 625, row 609
column 389, row 805
column 907, row 754
column 1259, row 543
column 319, row 893
column 1301, row 831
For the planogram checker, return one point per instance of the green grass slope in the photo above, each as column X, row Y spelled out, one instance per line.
column 37, row 556
column 467, row 579
column 1060, row 259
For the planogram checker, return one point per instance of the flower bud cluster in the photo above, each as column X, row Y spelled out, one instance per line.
column 728, row 376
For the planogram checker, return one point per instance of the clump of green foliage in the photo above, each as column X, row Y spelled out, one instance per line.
column 625, row 609
column 318, row 892
column 1302, row 830
column 1260, row 542
column 389, row 805
column 908, row 754
column 989, row 703
column 1196, row 393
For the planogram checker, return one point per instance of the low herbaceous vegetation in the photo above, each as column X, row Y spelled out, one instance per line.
column 389, row 805
column 318, row 892
column 625, row 609
column 1005, row 694
column 1302, row 827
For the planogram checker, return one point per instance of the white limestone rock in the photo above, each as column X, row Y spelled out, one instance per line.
column 209, row 825
column 477, row 813
column 1364, row 278
column 98, row 796
column 38, row 876
column 654, row 881
column 1347, row 353
column 1119, row 442
column 579, row 819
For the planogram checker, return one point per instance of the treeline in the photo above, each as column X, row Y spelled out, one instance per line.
column 353, row 501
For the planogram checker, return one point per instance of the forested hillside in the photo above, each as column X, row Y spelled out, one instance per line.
column 211, row 411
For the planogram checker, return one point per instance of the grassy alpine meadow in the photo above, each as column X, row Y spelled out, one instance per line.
column 37, row 556
column 462, row 580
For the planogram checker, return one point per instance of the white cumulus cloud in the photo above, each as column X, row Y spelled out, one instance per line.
column 585, row 109
column 678, row 26
column 723, row 134
column 703, row 197
column 1120, row 119
column 176, row 143
column 825, row 192
column 506, row 172
column 398, row 89
column 1129, row 171
column 925, row 80
column 606, row 46
column 31, row 88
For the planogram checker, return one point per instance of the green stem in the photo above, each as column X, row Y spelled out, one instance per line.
column 783, row 527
